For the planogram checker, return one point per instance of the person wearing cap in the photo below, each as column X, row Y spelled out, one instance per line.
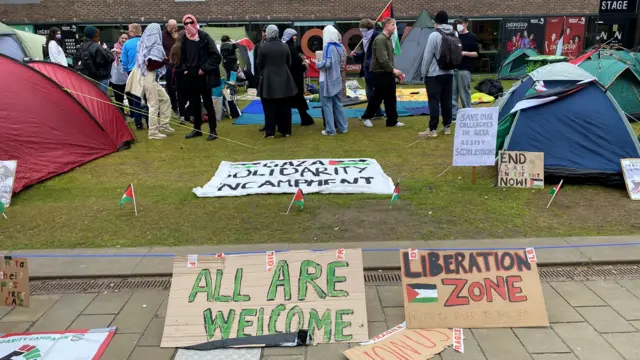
column 462, row 75
column 439, row 82
column 96, row 59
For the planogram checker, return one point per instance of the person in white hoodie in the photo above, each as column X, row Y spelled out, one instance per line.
column 439, row 82
column 56, row 54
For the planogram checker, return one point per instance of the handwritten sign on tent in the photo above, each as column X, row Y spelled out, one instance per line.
column 521, row 169
column 631, row 172
column 403, row 343
column 14, row 282
column 262, row 294
column 327, row 176
column 474, row 143
column 471, row 289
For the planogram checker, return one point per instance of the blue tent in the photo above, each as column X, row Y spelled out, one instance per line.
column 581, row 130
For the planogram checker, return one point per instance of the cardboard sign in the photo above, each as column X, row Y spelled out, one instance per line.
column 403, row 343
column 7, row 177
column 327, row 176
column 631, row 173
column 14, row 282
column 521, row 169
column 474, row 143
column 236, row 296
column 471, row 289
column 70, row 344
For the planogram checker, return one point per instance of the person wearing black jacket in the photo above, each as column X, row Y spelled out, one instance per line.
column 200, row 63
column 256, row 66
column 297, row 69
column 96, row 60
column 369, row 32
column 229, row 58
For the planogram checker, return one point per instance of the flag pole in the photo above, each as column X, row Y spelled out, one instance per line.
column 556, row 193
column 385, row 8
column 291, row 203
column 134, row 199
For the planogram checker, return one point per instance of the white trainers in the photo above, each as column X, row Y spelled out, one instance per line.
column 327, row 134
column 447, row 130
column 367, row 123
column 428, row 133
column 166, row 128
column 398, row 124
column 157, row 136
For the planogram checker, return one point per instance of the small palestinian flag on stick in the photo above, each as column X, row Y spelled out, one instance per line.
column 2, row 209
column 298, row 199
column 129, row 196
column 396, row 194
column 554, row 192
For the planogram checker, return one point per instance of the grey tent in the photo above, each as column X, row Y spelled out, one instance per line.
column 413, row 44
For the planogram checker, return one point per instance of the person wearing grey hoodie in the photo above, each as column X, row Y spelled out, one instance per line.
column 439, row 82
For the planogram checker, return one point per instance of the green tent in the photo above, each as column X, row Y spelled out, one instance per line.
column 620, row 74
column 515, row 67
column 19, row 44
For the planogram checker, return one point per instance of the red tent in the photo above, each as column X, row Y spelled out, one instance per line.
column 44, row 128
column 91, row 97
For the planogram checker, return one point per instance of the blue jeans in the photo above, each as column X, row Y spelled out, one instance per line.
column 333, row 114
column 461, row 88
column 369, row 91
column 104, row 86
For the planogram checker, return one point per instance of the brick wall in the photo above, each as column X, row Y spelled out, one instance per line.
column 263, row 10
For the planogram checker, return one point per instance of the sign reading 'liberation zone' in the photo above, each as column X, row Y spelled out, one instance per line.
column 471, row 289
column 286, row 176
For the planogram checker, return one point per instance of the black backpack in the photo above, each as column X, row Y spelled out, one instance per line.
column 85, row 63
column 450, row 51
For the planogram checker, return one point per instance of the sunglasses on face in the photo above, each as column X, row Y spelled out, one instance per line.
column 188, row 23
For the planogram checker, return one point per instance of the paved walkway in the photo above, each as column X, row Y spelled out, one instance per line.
column 591, row 320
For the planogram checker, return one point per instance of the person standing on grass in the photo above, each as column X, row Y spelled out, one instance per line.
column 333, row 56
column 129, row 54
column 118, row 81
column 96, row 59
column 462, row 75
column 276, row 87
column 56, row 54
column 298, row 68
column 229, row 58
column 169, row 36
column 439, row 82
column 384, row 76
column 256, row 66
column 369, row 32
column 179, row 79
column 200, row 64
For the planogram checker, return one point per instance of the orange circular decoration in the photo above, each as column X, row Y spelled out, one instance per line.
column 348, row 35
column 304, row 42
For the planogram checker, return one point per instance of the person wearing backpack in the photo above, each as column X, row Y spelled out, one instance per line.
column 95, row 59
column 442, row 55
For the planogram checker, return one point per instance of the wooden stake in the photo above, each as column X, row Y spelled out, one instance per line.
column 134, row 199
column 473, row 175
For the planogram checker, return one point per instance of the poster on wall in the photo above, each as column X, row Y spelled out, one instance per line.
column 522, row 33
column 570, row 30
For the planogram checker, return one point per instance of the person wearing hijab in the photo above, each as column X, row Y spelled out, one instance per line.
column 56, row 54
column 333, row 57
column 148, row 69
column 118, row 80
column 298, row 68
column 276, row 87
column 200, row 64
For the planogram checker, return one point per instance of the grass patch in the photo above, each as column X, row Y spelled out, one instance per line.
column 80, row 208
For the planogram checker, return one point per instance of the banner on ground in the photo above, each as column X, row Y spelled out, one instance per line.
column 57, row 345
column 631, row 173
column 403, row 343
column 227, row 297
column 471, row 289
column 523, row 33
column 7, row 177
column 14, row 282
column 327, row 176
column 521, row 169
column 474, row 143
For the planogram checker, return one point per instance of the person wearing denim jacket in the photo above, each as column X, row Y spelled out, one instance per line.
column 331, row 82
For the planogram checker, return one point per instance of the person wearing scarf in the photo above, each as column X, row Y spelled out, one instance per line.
column 276, row 87
column 331, row 84
column 297, row 68
column 149, row 67
column 369, row 32
column 119, row 77
column 200, row 64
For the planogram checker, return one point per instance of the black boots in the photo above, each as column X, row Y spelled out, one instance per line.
column 194, row 133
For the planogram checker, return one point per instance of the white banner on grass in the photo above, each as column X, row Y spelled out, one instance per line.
column 56, row 345
column 474, row 143
column 327, row 176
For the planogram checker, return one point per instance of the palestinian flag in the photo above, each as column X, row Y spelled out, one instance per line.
column 396, row 194
column 128, row 195
column 298, row 199
column 560, row 45
column 422, row 293
column 348, row 163
column 2, row 209
column 555, row 190
column 395, row 39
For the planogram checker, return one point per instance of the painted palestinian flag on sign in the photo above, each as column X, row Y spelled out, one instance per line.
column 348, row 163
column 422, row 293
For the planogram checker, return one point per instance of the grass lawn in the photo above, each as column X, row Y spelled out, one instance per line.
column 80, row 208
